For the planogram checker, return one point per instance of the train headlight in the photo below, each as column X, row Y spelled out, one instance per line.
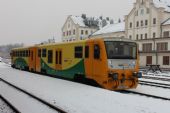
column 114, row 76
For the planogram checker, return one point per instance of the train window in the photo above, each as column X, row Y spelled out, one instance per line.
column 87, row 52
column 60, row 57
column 29, row 53
column 39, row 52
column 26, row 53
column 56, row 57
column 32, row 55
column 50, row 56
column 96, row 51
column 19, row 53
column 78, row 52
column 44, row 52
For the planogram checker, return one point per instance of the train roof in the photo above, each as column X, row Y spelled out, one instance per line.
column 61, row 43
column 80, row 41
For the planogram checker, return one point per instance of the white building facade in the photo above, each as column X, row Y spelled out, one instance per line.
column 75, row 29
column 149, row 24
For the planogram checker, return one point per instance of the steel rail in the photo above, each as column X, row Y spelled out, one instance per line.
column 58, row 109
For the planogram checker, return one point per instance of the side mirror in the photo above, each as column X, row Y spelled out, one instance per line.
column 96, row 51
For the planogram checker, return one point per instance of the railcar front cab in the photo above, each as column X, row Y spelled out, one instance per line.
column 122, row 62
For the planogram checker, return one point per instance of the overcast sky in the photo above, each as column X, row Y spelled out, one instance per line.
column 34, row 21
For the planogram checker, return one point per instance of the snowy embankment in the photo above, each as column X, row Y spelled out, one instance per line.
column 80, row 98
column 4, row 108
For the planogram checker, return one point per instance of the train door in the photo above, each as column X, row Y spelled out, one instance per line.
column 89, row 59
column 99, row 60
column 38, row 60
column 58, row 59
column 32, row 59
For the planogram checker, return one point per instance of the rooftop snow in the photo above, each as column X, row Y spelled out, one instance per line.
column 111, row 28
column 162, row 3
column 167, row 22
column 78, row 20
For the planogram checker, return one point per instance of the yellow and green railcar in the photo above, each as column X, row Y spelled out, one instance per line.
column 111, row 62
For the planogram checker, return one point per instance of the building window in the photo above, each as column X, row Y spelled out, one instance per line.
column 137, row 37
column 146, row 36
column 141, row 36
column 137, row 24
column 154, row 35
column 50, row 56
column 82, row 32
column 166, row 33
column 136, row 13
column 63, row 33
column 147, row 10
column 78, row 52
column 163, row 46
column 165, row 60
column 130, row 36
column 146, row 22
column 74, row 32
column 148, row 59
column 154, row 20
column 141, row 22
column 147, row 47
column 67, row 33
column 86, row 32
column 130, row 24
column 142, row 11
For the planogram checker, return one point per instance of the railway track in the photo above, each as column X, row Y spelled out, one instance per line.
column 57, row 109
column 9, row 104
column 154, row 84
column 156, row 78
column 144, row 94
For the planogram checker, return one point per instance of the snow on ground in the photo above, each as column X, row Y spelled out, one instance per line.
column 79, row 98
column 22, row 101
column 161, row 92
column 4, row 108
column 156, row 81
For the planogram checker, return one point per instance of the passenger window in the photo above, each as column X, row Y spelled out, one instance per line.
column 44, row 52
column 87, row 52
column 39, row 52
column 56, row 57
column 50, row 56
column 60, row 57
column 26, row 53
column 96, row 51
column 78, row 52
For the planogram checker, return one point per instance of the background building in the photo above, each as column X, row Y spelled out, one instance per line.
column 149, row 24
column 81, row 27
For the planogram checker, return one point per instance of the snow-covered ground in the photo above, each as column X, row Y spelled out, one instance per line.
column 79, row 98
column 161, row 92
column 4, row 108
column 20, row 100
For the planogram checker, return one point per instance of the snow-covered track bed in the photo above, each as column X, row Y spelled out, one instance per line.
column 145, row 94
column 11, row 107
column 42, row 103
column 157, row 78
column 155, row 84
